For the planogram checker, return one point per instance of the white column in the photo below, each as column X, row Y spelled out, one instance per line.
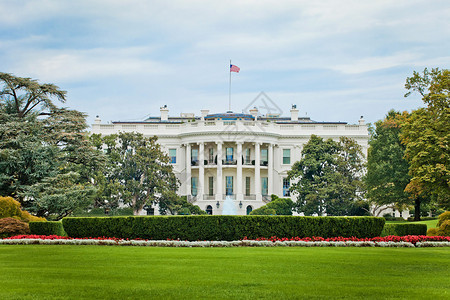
column 219, row 172
column 239, row 194
column 201, row 170
column 188, row 169
column 270, row 171
column 258, row 172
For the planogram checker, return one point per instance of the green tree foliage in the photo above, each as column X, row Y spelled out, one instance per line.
column 278, row 206
column 426, row 135
column 178, row 205
column 24, row 96
column 328, row 177
column 141, row 169
column 43, row 147
column 387, row 169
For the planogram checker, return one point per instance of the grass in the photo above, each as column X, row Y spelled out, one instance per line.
column 101, row 272
column 430, row 223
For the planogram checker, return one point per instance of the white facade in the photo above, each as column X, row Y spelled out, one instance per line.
column 217, row 155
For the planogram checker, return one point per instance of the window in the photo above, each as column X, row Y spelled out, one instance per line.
column 229, row 154
column 194, row 185
column 210, row 155
column 211, row 186
column 229, row 185
column 194, row 155
column 264, row 157
column 286, row 186
column 264, row 186
column 247, row 156
column 286, row 156
column 209, row 210
column 247, row 186
column 249, row 209
column 173, row 156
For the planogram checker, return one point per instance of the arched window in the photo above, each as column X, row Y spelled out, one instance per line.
column 209, row 210
column 249, row 209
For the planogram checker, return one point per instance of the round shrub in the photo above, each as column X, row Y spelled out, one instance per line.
column 10, row 227
column 432, row 232
column 444, row 229
column 9, row 207
column 443, row 217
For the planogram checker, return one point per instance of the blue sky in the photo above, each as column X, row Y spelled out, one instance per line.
column 122, row 60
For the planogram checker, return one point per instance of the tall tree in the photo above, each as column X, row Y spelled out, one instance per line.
column 42, row 146
column 140, row 166
column 24, row 96
column 426, row 135
column 387, row 169
column 328, row 177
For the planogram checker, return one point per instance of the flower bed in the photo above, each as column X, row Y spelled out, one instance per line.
column 388, row 241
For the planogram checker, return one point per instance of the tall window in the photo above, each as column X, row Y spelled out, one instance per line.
column 229, row 185
column 194, row 185
column 264, row 186
column 211, row 186
column 264, row 156
column 194, row 155
column 173, row 156
column 247, row 155
column 286, row 156
column 286, row 186
column 210, row 155
column 229, row 154
column 247, row 186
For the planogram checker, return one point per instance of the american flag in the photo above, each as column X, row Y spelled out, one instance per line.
column 234, row 68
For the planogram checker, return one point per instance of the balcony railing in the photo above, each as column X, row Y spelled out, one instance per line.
column 250, row 197
column 209, row 197
column 229, row 162
column 232, row 196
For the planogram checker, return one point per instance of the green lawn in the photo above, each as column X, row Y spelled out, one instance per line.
column 102, row 272
column 430, row 223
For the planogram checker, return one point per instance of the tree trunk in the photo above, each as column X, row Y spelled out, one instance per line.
column 417, row 209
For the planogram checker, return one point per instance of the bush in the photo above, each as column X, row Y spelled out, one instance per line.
column 47, row 228
column 225, row 228
column 10, row 227
column 432, row 232
column 404, row 229
column 443, row 225
column 443, row 217
column 278, row 206
column 126, row 211
column 10, row 208
column 411, row 219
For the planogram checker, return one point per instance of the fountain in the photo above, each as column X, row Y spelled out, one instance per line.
column 229, row 208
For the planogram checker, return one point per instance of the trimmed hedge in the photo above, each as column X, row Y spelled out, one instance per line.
column 222, row 228
column 47, row 228
column 404, row 229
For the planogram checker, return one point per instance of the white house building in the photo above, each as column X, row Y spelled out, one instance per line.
column 238, row 157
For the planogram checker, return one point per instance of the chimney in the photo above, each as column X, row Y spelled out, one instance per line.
column 97, row 120
column 362, row 121
column 294, row 113
column 254, row 112
column 204, row 112
column 164, row 113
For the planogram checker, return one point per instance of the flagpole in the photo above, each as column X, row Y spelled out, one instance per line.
column 229, row 91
